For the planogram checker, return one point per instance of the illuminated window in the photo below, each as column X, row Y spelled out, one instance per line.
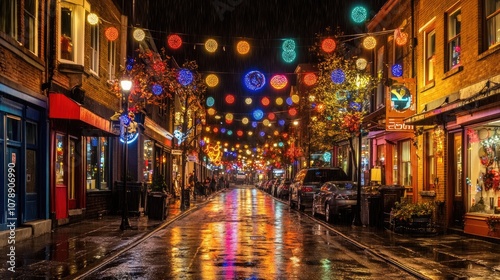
column 30, row 25
column 430, row 164
column 8, row 17
column 430, row 51
column 72, row 32
column 454, row 47
column 111, row 60
column 97, row 150
column 492, row 13
column 94, row 48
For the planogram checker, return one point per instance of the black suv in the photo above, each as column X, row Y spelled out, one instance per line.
column 308, row 181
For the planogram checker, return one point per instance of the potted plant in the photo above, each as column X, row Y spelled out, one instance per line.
column 406, row 216
column 157, row 198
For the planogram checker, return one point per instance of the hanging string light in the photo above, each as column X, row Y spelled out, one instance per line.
column 288, row 56
column 369, row 43
column 328, row 45
column 279, row 81
column 243, row 47
column 92, row 19
column 359, row 14
column 400, row 37
column 254, row 80
column 265, row 101
column 212, row 80
column 258, row 114
column 210, row 101
column 288, row 45
column 397, row 70
column 361, row 63
column 139, row 34
column 211, row 45
column 248, row 101
column 295, row 99
column 338, row 76
column 279, row 101
column 229, row 99
column 310, row 79
column 184, row 77
column 111, row 33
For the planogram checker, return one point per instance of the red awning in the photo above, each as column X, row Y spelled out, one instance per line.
column 62, row 107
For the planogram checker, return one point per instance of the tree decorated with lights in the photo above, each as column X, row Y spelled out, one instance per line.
column 341, row 95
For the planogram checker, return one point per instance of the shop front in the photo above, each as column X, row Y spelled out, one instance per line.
column 81, row 164
column 23, row 146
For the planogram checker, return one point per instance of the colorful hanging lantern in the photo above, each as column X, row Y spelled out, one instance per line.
column 265, row 101
column 281, row 122
column 271, row 116
column 288, row 45
column 211, row 111
column 92, row 19
column 279, row 101
column 174, row 41
column 295, row 99
column 229, row 99
column 310, row 79
column 211, row 45
column 279, row 81
column 361, row 63
column 400, row 37
column 338, row 76
column 288, row 56
column 111, row 33
column 244, row 120
column 292, row 111
column 157, row 89
column 328, row 45
column 184, row 77
column 289, row 101
column 139, row 34
column 369, row 43
column 397, row 70
column 254, row 124
column 229, row 116
column 266, row 122
column 212, row 80
column 243, row 47
column 210, row 101
column 239, row 133
column 254, row 80
column 359, row 14
column 258, row 114
column 248, row 100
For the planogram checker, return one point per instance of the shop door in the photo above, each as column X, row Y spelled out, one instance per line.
column 60, row 170
column 457, row 185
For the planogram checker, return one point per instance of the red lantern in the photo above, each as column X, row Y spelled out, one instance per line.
column 328, row 45
column 310, row 79
column 174, row 41
column 111, row 33
column 229, row 99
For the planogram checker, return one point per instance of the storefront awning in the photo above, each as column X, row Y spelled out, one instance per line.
column 62, row 107
column 157, row 132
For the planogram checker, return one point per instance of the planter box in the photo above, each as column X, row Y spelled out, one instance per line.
column 416, row 225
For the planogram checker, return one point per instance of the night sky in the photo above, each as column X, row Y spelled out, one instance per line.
column 264, row 24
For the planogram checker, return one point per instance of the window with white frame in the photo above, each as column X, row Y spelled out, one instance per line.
column 430, row 51
column 430, row 163
column 30, row 25
column 94, row 48
column 111, row 60
column 8, row 17
column 492, row 14
column 72, row 31
column 454, row 48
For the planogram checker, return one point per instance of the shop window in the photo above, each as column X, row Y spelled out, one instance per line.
column 13, row 128
column 148, row 161
column 483, row 177
column 492, row 19
column 111, row 60
column 8, row 17
column 457, row 140
column 395, row 165
column 430, row 162
column 406, row 176
column 94, row 48
column 343, row 158
column 30, row 25
column 72, row 32
column 430, row 51
column 454, row 47
column 97, row 155
column 59, row 164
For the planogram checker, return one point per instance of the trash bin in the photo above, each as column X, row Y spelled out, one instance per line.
column 185, row 196
column 157, row 205
column 134, row 193
column 389, row 195
column 370, row 209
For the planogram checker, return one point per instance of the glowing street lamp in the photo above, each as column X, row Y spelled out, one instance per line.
column 126, row 85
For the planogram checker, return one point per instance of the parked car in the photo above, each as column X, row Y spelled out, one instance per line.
column 334, row 198
column 274, row 187
column 283, row 189
column 308, row 182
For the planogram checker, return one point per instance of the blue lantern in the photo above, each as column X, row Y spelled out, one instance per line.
column 185, row 77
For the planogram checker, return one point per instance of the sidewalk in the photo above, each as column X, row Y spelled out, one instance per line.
column 73, row 249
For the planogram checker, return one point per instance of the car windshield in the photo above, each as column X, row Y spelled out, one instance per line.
column 325, row 175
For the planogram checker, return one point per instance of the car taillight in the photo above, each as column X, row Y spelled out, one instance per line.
column 306, row 189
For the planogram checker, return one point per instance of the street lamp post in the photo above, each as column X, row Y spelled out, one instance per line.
column 126, row 85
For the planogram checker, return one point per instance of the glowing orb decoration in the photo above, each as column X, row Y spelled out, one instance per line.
column 254, row 80
column 327, row 156
column 174, row 41
column 279, row 101
column 265, row 101
column 369, row 43
column 202, row 142
column 230, row 132
column 328, row 45
column 292, row 111
column 266, row 122
column 248, row 100
column 359, row 14
column 215, row 130
column 258, row 114
column 280, row 144
column 211, row 45
column 207, row 129
column 111, row 33
column 320, row 108
column 139, row 34
column 239, row 133
column 271, row 116
column 92, row 19
column 361, row 63
column 289, row 101
column 262, row 134
column 250, row 133
column 157, row 89
column 397, row 70
column 243, row 47
column 295, row 99
column 211, row 111
column 223, row 130
column 212, row 80
column 288, row 45
column 244, row 120
column 229, row 116
column 402, row 39
column 355, row 106
column 310, row 79
column 229, row 99
column 338, row 76
column 210, row 101
column 279, row 81
column 254, row 124
column 281, row 122
column 184, row 77
column 228, row 121
column 288, row 56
